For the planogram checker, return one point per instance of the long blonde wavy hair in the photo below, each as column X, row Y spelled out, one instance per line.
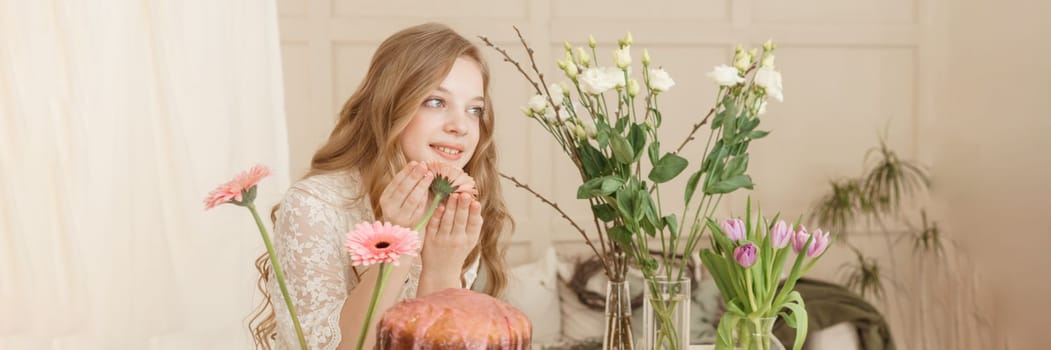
column 406, row 67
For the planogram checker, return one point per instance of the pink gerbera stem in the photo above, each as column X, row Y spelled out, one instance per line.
column 381, row 278
column 280, row 275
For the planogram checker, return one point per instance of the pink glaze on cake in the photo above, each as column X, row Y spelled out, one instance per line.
column 454, row 319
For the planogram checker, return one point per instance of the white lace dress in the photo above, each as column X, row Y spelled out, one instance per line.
column 312, row 222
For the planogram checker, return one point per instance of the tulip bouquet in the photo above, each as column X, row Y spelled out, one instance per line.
column 747, row 259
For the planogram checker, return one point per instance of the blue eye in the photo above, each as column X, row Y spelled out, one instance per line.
column 434, row 103
column 478, row 111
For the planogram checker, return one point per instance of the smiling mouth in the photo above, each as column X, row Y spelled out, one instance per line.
column 447, row 152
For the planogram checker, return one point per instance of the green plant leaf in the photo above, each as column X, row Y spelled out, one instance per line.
column 599, row 186
column 758, row 134
column 730, row 185
column 691, row 186
column 737, row 166
column 621, row 235
column 604, row 212
column 800, row 317
column 637, row 137
column 725, row 337
column 622, row 150
column 667, row 168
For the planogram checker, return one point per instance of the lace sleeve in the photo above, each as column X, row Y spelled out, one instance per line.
column 308, row 238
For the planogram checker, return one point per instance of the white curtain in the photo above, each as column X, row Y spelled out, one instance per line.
column 116, row 118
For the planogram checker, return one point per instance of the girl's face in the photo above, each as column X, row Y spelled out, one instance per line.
column 445, row 127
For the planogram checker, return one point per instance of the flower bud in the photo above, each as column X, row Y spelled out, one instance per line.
column 633, row 88
column 591, row 41
column 583, row 57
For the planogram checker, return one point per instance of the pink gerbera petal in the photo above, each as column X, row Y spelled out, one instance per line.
column 380, row 242
column 233, row 189
column 464, row 183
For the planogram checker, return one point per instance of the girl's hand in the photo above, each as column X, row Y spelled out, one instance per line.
column 404, row 200
column 451, row 235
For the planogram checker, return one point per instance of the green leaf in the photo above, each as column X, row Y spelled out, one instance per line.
column 667, row 168
column 621, row 148
column 599, row 186
column 730, row 185
column 656, row 117
column 758, row 134
column 725, row 336
column 626, row 204
column 611, row 184
column 604, row 212
column 737, row 166
column 592, row 160
column 602, row 137
column 621, row 123
column 654, row 152
column 637, row 136
column 621, row 235
column 747, row 124
column 800, row 317
column 673, row 224
column 691, row 185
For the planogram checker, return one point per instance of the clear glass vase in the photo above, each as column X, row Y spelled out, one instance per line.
column 756, row 334
column 666, row 314
column 618, row 335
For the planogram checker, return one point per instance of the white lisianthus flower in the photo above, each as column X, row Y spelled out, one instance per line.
column 770, row 80
column 595, row 81
column 725, row 75
column 622, row 57
column 660, row 81
column 538, row 104
column 616, row 76
column 556, row 93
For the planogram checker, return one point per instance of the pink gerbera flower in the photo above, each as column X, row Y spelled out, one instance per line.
column 234, row 190
column 380, row 242
column 456, row 177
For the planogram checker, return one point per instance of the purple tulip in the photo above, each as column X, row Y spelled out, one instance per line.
column 734, row 228
column 800, row 238
column 821, row 241
column 746, row 254
column 780, row 235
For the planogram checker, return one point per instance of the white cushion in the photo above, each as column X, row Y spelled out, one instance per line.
column 532, row 288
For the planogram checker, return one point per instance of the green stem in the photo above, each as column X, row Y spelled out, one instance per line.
column 430, row 212
column 280, row 275
column 381, row 280
column 751, row 295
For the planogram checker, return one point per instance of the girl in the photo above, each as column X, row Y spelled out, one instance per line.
column 425, row 98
